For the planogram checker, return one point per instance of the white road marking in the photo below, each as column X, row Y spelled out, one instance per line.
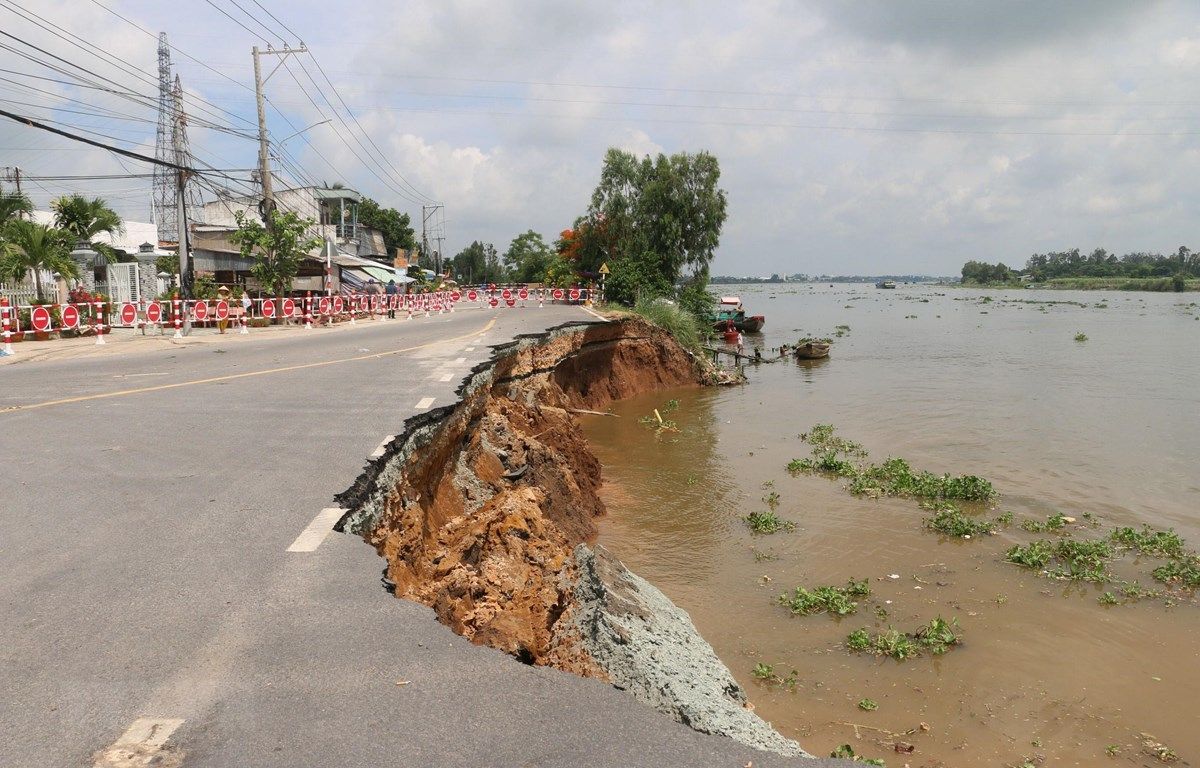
column 446, row 377
column 469, row 349
column 312, row 536
column 375, row 454
column 599, row 317
column 140, row 744
column 459, row 361
column 424, row 403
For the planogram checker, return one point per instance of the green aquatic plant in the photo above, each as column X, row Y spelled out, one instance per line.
column 1081, row 336
column 949, row 520
column 846, row 752
column 767, row 522
column 1149, row 541
column 936, row 637
column 1183, row 571
column 836, row 601
column 1053, row 523
column 868, row 705
column 763, row 671
column 1083, row 560
column 771, row 500
column 1036, row 554
column 1108, row 598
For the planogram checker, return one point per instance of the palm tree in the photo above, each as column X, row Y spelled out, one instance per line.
column 13, row 206
column 84, row 219
column 34, row 247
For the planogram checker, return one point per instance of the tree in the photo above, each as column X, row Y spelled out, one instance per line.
column 396, row 227
column 656, row 221
column 527, row 258
column 277, row 251
column 12, row 206
column 478, row 263
column 30, row 247
column 84, row 219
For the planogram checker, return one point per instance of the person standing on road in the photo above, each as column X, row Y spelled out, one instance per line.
column 247, row 303
column 741, row 343
column 223, row 295
column 390, row 291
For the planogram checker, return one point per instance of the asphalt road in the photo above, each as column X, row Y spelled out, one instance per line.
column 148, row 501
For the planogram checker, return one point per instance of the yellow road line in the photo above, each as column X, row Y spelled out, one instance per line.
column 248, row 374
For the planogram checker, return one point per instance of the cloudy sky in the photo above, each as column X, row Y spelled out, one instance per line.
column 861, row 137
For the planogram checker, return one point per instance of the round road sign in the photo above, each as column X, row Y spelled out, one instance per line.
column 200, row 310
column 574, row 294
column 506, row 294
column 222, row 309
column 289, row 307
column 39, row 317
column 493, row 301
column 523, row 294
column 455, row 295
column 128, row 314
column 325, row 304
column 70, row 316
column 472, row 295
column 153, row 313
column 337, row 305
column 558, row 294
column 511, row 302
column 268, row 308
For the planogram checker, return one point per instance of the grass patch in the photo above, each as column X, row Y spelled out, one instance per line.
column 936, row 637
column 767, row 522
column 683, row 325
column 836, row 601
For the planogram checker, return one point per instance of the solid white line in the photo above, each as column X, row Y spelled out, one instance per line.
column 312, row 536
column 139, row 744
column 446, row 377
column 424, row 403
column 602, row 318
column 375, row 454
column 459, row 361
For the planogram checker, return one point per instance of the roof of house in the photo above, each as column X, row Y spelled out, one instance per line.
column 129, row 240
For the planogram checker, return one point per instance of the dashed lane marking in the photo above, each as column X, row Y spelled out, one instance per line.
column 459, row 361
column 233, row 376
column 375, row 454
column 142, row 744
column 424, row 403
column 446, row 377
column 469, row 349
column 312, row 536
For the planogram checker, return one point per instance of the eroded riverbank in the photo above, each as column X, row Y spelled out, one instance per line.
column 485, row 511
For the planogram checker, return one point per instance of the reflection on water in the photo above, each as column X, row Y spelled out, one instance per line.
column 954, row 383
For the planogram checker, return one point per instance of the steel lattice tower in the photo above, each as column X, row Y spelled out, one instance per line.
column 171, row 145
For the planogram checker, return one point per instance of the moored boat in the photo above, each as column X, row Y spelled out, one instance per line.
column 812, row 350
column 730, row 312
column 886, row 284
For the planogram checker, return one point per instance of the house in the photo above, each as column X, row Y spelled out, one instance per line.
column 354, row 254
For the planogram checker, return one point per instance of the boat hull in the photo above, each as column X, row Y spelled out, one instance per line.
column 751, row 324
column 812, row 351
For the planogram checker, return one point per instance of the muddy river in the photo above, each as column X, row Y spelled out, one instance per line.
column 1105, row 431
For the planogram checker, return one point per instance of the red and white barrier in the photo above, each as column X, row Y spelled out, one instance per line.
column 6, row 320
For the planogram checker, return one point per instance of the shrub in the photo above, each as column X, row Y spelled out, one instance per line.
column 681, row 324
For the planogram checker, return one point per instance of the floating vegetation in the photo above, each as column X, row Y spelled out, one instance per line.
column 657, row 421
column 841, row 330
column 771, row 500
column 868, row 705
column 835, row 601
column 846, row 752
column 1081, row 336
column 767, row 522
column 1149, row 541
column 1055, row 522
column 936, row 637
column 1183, row 571
column 949, row 520
column 1079, row 560
column 766, row 673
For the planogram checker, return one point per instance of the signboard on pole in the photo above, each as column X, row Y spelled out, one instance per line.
column 268, row 308
column 128, row 314
column 39, row 317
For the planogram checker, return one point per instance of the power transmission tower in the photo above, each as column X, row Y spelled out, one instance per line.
column 264, row 157
column 427, row 212
column 170, row 145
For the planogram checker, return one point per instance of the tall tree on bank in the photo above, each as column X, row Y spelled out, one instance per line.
column 478, row 263
column 84, row 219
column 29, row 247
column 528, row 257
column 656, row 222
column 396, row 226
column 278, row 251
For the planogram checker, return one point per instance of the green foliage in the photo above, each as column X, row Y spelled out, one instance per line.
column 982, row 273
column 832, row 600
column 846, row 752
column 1054, row 522
column 83, row 219
column 1148, row 541
column 29, row 247
column 396, row 227
column 1102, row 264
column 949, row 520
column 936, row 637
column 528, row 258
column 1036, row 554
column 763, row 671
column 868, row 705
column 767, row 522
column 1081, row 336
column 560, row 272
column 478, row 263
column 654, row 221
column 278, row 250
column 682, row 325
column 13, row 206
column 1108, row 598
column 1082, row 560
column 1184, row 571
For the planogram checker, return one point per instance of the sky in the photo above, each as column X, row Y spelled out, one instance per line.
column 865, row 137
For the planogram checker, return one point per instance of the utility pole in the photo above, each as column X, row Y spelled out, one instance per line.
column 185, row 255
column 427, row 211
column 264, row 159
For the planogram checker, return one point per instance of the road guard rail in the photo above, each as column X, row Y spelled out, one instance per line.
column 98, row 317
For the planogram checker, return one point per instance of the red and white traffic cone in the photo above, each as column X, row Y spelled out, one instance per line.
column 6, row 317
column 98, row 322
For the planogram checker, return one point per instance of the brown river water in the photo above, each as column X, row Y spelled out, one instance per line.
column 1046, row 674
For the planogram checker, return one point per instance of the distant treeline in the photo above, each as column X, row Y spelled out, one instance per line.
column 1041, row 267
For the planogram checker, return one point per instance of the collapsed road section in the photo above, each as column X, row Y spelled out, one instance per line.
column 485, row 511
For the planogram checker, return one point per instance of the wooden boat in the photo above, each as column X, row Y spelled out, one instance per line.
column 731, row 312
column 891, row 284
column 812, row 350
